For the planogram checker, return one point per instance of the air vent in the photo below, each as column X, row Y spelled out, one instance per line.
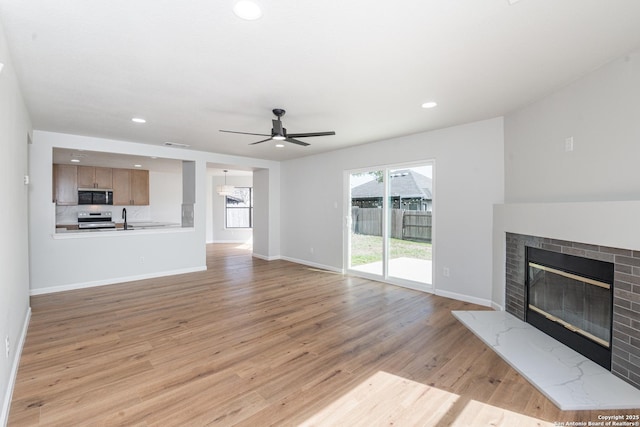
column 176, row 144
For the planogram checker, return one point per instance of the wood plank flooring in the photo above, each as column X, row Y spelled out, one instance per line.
column 257, row 343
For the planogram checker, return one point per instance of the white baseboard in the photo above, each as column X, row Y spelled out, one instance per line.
column 313, row 264
column 6, row 405
column 465, row 298
column 265, row 257
column 113, row 281
column 299, row 261
column 496, row 307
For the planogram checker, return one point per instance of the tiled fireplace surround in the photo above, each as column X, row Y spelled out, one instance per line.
column 626, row 296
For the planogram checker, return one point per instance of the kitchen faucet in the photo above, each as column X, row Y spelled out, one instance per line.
column 124, row 216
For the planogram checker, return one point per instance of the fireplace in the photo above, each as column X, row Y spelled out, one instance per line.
column 624, row 332
column 571, row 298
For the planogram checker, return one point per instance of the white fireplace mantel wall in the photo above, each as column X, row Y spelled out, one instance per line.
column 614, row 224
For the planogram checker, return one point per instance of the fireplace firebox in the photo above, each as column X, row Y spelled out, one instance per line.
column 571, row 299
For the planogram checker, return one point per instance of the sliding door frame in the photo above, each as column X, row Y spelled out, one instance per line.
column 384, row 277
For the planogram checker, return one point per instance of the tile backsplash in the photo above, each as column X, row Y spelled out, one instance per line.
column 69, row 214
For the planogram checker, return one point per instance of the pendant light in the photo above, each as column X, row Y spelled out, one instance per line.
column 225, row 190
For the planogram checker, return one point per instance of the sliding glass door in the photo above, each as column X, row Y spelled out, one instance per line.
column 367, row 222
column 391, row 224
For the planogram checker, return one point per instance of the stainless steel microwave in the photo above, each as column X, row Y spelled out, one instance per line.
column 93, row 196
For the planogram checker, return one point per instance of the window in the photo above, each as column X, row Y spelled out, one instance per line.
column 239, row 208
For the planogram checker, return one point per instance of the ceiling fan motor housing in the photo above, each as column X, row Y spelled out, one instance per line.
column 278, row 112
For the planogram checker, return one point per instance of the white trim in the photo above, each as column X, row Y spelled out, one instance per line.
column 6, row 405
column 496, row 307
column 465, row 298
column 264, row 257
column 113, row 281
column 243, row 241
column 313, row 264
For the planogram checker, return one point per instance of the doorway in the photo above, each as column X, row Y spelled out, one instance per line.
column 390, row 235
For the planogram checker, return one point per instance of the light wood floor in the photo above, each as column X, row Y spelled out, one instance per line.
column 256, row 343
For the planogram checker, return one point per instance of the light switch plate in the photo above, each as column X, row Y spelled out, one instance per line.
column 568, row 144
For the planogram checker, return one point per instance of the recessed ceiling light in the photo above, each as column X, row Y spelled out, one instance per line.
column 279, row 145
column 429, row 104
column 75, row 160
column 137, row 166
column 1, row 66
column 247, row 10
column 138, row 120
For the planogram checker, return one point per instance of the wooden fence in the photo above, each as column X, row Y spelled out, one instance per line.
column 406, row 225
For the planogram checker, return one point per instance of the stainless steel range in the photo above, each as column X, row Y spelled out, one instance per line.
column 95, row 220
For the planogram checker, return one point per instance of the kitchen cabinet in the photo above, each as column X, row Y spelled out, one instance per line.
column 65, row 185
column 95, row 177
column 130, row 187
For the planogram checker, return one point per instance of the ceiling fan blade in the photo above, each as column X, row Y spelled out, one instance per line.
column 304, row 135
column 295, row 141
column 264, row 140
column 245, row 133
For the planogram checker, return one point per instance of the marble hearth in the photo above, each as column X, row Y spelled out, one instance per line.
column 568, row 379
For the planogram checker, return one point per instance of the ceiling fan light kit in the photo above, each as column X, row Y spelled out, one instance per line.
column 279, row 132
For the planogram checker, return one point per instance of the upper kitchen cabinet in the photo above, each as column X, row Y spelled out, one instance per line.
column 95, row 177
column 130, row 187
column 65, row 184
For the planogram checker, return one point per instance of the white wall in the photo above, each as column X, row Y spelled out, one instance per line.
column 468, row 181
column 217, row 233
column 68, row 263
column 14, row 251
column 601, row 112
column 589, row 195
column 165, row 197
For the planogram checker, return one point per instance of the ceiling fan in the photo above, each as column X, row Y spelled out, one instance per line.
column 279, row 133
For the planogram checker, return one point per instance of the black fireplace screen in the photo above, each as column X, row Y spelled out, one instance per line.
column 580, row 304
column 570, row 298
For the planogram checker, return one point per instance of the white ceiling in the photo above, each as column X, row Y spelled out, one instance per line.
column 360, row 67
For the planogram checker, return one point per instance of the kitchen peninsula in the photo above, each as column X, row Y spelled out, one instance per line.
column 94, row 199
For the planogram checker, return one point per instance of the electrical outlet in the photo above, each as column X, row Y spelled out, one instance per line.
column 445, row 271
column 310, row 250
column 7, row 346
column 141, row 260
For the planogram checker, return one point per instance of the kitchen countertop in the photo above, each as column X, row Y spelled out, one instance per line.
column 136, row 227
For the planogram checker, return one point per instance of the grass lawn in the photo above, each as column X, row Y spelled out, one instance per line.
column 368, row 249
